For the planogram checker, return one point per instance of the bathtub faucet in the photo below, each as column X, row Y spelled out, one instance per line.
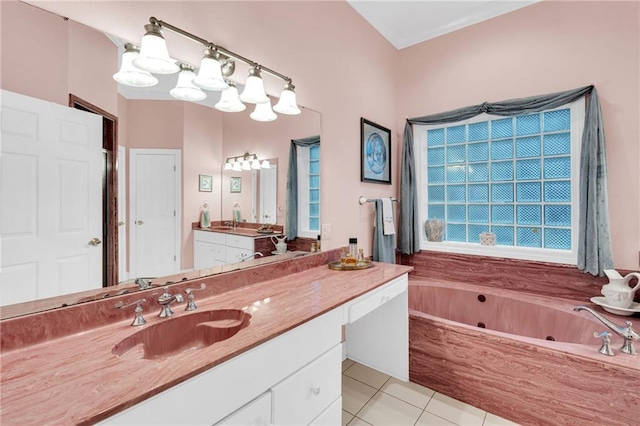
column 627, row 333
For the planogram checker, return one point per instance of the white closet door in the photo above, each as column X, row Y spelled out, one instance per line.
column 50, row 199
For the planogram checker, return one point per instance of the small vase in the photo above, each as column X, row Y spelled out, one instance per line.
column 434, row 229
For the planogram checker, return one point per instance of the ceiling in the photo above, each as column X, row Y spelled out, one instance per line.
column 405, row 23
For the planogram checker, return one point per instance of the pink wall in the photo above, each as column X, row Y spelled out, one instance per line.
column 547, row 47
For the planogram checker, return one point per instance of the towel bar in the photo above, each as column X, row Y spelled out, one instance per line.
column 363, row 200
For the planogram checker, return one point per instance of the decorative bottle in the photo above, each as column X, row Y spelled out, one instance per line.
column 352, row 255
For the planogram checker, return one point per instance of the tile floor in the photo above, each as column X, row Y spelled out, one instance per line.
column 372, row 398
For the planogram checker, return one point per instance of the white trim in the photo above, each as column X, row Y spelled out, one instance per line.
column 512, row 252
column 303, row 193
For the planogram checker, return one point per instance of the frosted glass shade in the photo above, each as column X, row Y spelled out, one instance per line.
column 229, row 101
column 263, row 112
column 287, row 103
column 246, row 165
column 210, row 73
column 185, row 90
column 255, row 164
column 265, row 164
column 154, row 56
column 228, row 166
column 237, row 167
column 253, row 92
column 130, row 75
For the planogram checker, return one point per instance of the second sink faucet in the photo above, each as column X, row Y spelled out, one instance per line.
column 244, row 256
column 627, row 333
column 165, row 301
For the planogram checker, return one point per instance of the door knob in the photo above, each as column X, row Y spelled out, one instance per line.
column 120, row 223
column 139, row 222
column 94, row 241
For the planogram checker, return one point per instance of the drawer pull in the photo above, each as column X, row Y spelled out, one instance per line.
column 315, row 391
column 384, row 299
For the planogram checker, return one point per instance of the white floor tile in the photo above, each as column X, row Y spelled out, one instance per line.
column 493, row 420
column 455, row 411
column 367, row 375
column 359, row 422
column 428, row 419
column 384, row 409
column 346, row 364
column 346, row 418
column 410, row 392
column 355, row 394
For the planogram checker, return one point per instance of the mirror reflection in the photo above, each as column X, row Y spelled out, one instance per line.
column 162, row 149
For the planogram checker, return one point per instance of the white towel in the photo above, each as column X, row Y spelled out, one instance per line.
column 389, row 227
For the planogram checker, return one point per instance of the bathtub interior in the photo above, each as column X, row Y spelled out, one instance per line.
column 505, row 311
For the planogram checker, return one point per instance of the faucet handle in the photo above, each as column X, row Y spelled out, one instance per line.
column 138, row 319
column 191, row 305
column 605, row 349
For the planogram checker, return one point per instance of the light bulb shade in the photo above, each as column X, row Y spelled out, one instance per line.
column 228, row 166
column 154, row 56
column 265, row 164
column 130, row 75
column 185, row 90
column 287, row 103
column 237, row 167
column 210, row 74
column 246, row 165
column 255, row 164
column 229, row 101
column 263, row 112
column 253, row 92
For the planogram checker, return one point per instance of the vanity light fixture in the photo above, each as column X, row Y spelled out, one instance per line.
column 245, row 162
column 216, row 66
column 287, row 103
column 154, row 56
column 263, row 112
column 130, row 75
column 185, row 90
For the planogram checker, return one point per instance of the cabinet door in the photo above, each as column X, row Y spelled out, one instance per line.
column 332, row 416
column 380, row 338
column 203, row 254
column 255, row 413
column 235, row 255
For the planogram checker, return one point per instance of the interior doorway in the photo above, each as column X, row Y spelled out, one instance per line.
column 109, row 188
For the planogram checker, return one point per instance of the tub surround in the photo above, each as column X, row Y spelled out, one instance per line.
column 547, row 279
column 76, row 378
column 527, row 380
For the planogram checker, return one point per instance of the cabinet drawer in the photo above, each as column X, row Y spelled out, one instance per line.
column 331, row 416
column 255, row 413
column 368, row 302
column 240, row 242
column 209, row 237
column 305, row 394
column 220, row 252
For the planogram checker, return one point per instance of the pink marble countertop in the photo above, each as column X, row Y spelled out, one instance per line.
column 245, row 232
column 76, row 379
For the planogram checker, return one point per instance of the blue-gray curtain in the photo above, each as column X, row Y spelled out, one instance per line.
column 594, row 241
column 383, row 245
column 291, row 221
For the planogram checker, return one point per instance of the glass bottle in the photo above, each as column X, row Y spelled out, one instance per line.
column 343, row 256
column 352, row 255
column 360, row 255
column 318, row 244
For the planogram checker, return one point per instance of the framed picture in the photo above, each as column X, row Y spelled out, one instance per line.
column 236, row 184
column 206, row 183
column 375, row 153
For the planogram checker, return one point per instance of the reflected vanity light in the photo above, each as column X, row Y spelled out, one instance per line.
column 185, row 90
column 245, row 162
column 229, row 100
column 263, row 112
column 130, row 75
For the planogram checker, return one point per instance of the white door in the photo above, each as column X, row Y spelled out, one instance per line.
column 154, row 212
column 268, row 197
column 50, row 199
column 122, row 214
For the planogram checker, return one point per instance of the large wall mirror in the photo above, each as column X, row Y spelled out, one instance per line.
column 47, row 57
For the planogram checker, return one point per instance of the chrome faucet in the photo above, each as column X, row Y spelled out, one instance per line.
column 627, row 333
column 191, row 304
column 143, row 283
column 138, row 318
column 244, row 256
column 165, row 301
column 231, row 224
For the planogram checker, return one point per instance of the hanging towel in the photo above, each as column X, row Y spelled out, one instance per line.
column 384, row 246
column 387, row 216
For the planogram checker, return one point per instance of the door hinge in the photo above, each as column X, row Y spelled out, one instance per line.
column 174, row 258
column 174, row 213
column 174, row 168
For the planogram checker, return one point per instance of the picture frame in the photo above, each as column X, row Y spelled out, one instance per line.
column 375, row 152
column 206, row 183
column 235, row 184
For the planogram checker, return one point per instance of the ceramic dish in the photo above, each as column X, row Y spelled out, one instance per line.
column 601, row 301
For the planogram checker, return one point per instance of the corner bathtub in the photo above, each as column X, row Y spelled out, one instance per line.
column 509, row 367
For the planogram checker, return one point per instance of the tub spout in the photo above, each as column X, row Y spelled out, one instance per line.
column 626, row 332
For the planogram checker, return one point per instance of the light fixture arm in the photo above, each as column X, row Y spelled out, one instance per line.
column 220, row 49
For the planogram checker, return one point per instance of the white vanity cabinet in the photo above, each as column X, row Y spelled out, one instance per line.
column 294, row 378
column 218, row 248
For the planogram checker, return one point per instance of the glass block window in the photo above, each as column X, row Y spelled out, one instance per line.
column 314, row 188
column 510, row 176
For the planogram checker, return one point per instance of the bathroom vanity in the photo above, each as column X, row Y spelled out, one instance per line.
column 216, row 248
column 283, row 368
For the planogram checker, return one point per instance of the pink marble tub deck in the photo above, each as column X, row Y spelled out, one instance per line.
column 508, row 368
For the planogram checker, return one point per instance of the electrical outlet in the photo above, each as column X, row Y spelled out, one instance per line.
column 326, row 231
